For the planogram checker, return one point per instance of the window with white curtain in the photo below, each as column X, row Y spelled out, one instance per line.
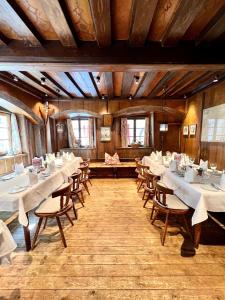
column 5, row 133
column 136, row 130
column 83, row 131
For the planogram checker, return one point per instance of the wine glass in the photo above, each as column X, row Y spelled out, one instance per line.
column 192, row 160
column 213, row 167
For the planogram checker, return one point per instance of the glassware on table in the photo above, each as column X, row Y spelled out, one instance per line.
column 213, row 167
column 191, row 160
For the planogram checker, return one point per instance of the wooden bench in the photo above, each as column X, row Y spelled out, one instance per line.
column 123, row 170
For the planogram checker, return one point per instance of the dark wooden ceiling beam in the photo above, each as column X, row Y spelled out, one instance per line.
column 179, row 83
column 4, row 39
column 101, row 15
column 214, row 28
column 26, row 20
column 54, row 57
column 142, row 15
column 56, row 84
column 8, row 78
column 75, row 84
column 109, row 84
column 145, row 81
column 185, row 14
column 94, row 84
column 128, row 78
column 161, row 84
column 58, row 21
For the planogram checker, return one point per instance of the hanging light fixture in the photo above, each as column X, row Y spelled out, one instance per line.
column 98, row 79
column 130, row 97
column 136, row 79
column 15, row 78
column 43, row 80
column 103, row 97
column 163, row 127
column 60, row 124
column 215, row 79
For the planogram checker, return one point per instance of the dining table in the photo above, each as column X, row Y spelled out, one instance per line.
column 203, row 195
column 26, row 197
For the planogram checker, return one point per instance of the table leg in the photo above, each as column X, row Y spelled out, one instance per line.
column 26, row 231
column 197, row 234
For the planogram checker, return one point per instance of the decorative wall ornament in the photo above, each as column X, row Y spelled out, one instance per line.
column 185, row 130
column 192, row 129
column 105, row 134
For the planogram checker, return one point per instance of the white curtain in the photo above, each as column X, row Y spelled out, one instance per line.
column 16, row 142
column 91, row 132
column 146, row 136
column 124, row 133
column 71, row 136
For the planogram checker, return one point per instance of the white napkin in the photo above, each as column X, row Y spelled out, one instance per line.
column 189, row 175
column 51, row 166
column 19, row 168
column 159, row 155
column 174, row 154
column 33, row 178
column 204, row 165
column 173, row 165
column 222, row 181
column 71, row 156
column 153, row 156
column 166, row 160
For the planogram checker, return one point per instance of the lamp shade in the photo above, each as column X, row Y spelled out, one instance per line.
column 163, row 127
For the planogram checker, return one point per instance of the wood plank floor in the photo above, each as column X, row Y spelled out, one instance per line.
column 113, row 253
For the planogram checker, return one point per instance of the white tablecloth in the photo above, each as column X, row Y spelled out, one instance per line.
column 195, row 196
column 34, row 195
column 156, row 167
column 7, row 244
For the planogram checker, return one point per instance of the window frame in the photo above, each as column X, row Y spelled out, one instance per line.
column 79, row 119
column 135, row 134
column 9, row 127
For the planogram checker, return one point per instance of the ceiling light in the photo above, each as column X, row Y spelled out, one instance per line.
column 98, row 79
column 130, row 97
column 136, row 79
column 57, row 90
column 185, row 96
column 43, row 80
column 46, row 95
column 103, row 97
column 215, row 79
column 15, row 78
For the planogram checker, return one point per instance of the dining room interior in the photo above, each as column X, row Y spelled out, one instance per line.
column 112, row 149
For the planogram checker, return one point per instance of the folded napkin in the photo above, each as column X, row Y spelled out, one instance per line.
column 166, row 160
column 51, row 166
column 19, row 168
column 71, row 156
column 168, row 153
column 203, row 164
column 173, row 165
column 153, row 156
column 173, row 155
column 222, row 181
column 159, row 154
column 33, row 177
column 189, row 175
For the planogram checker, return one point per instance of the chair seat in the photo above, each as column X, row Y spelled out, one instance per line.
column 173, row 202
column 50, row 206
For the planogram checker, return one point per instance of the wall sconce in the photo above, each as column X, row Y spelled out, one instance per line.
column 60, row 127
column 163, row 127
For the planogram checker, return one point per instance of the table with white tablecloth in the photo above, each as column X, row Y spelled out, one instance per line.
column 156, row 167
column 32, row 196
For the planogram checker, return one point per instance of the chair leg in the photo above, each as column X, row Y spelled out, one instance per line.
column 86, row 187
column 36, row 233
column 61, row 232
column 45, row 223
column 143, row 197
column 165, row 229
column 74, row 210
column 140, row 185
column 146, row 201
column 152, row 212
column 80, row 200
column 82, row 196
column 155, row 216
column 89, row 180
column 68, row 217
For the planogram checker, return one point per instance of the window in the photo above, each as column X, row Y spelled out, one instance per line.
column 5, row 134
column 136, row 130
column 81, row 129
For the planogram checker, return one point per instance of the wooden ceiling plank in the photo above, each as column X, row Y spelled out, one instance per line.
column 214, row 28
column 94, row 84
column 58, row 21
column 161, row 84
column 4, row 39
column 128, row 78
column 109, row 84
column 179, row 83
column 142, row 15
column 26, row 20
column 75, row 84
column 186, row 12
column 20, row 84
column 59, row 86
column 146, row 80
column 100, row 10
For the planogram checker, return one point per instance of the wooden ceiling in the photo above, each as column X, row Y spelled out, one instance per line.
column 37, row 34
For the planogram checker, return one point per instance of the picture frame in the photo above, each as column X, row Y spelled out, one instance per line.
column 192, row 129
column 105, row 134
column 185, row 130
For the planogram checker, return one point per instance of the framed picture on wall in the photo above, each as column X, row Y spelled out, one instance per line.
column 185, row 130
column 192, row 129
column 105, row 134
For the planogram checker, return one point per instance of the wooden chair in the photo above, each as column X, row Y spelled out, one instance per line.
column 84, row 178
column 76, row 191
column 149, row 188
column 87, row 162
column 167, row 203
column 137, row 161
column 53, row 207
column 141, row 175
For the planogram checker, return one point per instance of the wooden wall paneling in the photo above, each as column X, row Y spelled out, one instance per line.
column 101, row 16
column 58, row 21
column 161, row 84
column 10, row 21
column 142, row 15
column 186, row 12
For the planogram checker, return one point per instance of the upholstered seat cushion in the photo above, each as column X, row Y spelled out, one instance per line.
column 173, row 202
column 50, row 205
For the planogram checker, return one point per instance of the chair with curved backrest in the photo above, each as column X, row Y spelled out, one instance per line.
column 84, row 178
column 141, row 175
column 137, row 160
column 87, row 162
column 169, row 204
column 149, row 188
column 58, row 204
column 76, row 190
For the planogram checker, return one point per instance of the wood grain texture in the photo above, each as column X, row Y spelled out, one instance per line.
column 109, row 84
column 113, row 253
column 142, row 15
column 146, row 80
column 101, row 15
column 128, row 78
column 58, row 22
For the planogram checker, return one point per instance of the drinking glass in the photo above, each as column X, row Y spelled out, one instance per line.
column 213, row 167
